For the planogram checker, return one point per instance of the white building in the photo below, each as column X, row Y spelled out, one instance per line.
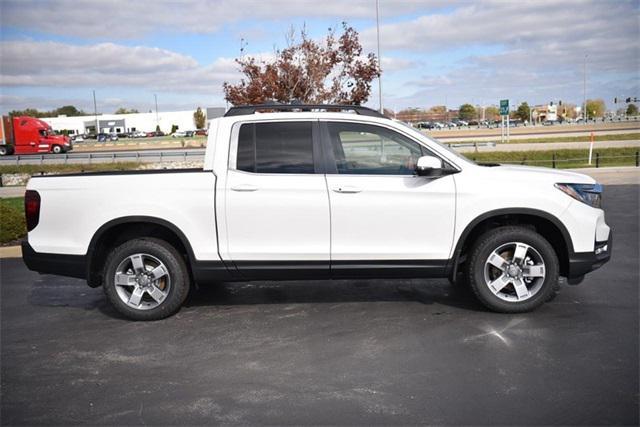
column 119, row 123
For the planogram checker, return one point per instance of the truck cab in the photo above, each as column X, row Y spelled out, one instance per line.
column 30, row 135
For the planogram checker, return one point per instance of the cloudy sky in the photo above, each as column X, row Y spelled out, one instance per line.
column 55, row 53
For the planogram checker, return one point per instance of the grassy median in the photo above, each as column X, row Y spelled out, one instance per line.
column 568, row 158
column 69, row 168
column 12, row 222
column 582, row 138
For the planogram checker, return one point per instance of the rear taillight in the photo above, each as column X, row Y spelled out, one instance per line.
column 32, row 208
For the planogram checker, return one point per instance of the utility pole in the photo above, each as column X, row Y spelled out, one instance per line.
column 95, row 111
column 157, row 120
column 379, row 57
column 584, row 91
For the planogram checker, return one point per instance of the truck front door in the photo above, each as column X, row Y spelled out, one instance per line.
column 384, row 218
column 276, row 208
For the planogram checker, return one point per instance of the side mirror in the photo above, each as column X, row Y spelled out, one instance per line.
column 429, row 166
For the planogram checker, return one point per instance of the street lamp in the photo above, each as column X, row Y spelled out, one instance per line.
column 584, row 90
column 379, row 57
column 157, row 120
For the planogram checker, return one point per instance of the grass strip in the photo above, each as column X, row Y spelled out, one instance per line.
column 564, row 159
column 68, row 168
column 582, row 138
column 12, row 223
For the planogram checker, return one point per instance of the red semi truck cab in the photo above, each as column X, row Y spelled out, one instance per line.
column 29, row 135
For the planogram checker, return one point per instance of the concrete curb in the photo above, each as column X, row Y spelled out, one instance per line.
column 10, row 252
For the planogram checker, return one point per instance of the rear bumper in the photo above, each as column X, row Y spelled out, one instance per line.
column 60, row 264
column 583, row 262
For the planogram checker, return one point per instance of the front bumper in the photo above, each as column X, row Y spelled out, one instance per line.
column 581, row 263
column 60, row 264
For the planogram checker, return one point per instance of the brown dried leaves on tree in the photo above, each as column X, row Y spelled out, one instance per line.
column 313, row 73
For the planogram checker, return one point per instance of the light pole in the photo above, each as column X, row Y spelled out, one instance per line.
column 95, row 111
column 584, row 91
column 379, row 57
column 157, row 120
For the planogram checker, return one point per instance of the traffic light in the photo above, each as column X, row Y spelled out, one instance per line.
column 615, row 100
column 628, row 100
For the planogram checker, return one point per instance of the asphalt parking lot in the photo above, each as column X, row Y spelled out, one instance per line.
column 342, row 352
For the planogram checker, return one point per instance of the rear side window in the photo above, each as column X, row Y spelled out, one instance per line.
column 285, row 147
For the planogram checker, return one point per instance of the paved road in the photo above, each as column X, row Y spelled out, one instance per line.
column 342, row 352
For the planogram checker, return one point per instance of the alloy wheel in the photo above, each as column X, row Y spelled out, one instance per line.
column 142, row 281
column 514, row 272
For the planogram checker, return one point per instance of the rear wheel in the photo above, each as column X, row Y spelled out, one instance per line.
column 3, row 150
column 146, row 279
column 513, row 270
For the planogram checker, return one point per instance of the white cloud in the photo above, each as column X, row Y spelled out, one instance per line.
column 129, row 19
column 108, row 64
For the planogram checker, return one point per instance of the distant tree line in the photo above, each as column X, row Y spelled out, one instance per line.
column 67, row 110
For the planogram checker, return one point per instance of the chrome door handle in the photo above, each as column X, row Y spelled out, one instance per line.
column 347, row 190
column 244, row 187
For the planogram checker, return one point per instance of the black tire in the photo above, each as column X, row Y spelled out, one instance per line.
column 56, row 149
column 177, row 271
column 3, row 150
column 492, row 240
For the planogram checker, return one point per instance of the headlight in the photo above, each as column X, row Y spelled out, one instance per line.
column 591, row 194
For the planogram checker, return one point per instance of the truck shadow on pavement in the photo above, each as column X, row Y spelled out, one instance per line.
column 335, row 291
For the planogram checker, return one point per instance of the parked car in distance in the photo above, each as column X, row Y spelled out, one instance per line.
column 139, row 134
column 77, row 138
column 382, row 201
column 201, row 132
column 424, row 125
column 189, row 133
column 104, row 137
column 179, row 134
column 154, row 134
column 124, row 134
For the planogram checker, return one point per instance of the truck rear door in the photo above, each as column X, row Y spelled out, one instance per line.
column 276, row 206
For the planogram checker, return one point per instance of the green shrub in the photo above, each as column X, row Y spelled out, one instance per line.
column 12, row 222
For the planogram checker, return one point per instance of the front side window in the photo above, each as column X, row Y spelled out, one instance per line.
column 372, row 150
column 285, row 147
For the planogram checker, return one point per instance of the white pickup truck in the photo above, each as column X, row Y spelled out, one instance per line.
column 317, row 192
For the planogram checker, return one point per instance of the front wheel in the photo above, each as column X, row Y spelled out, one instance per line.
column 513, row 270
column 3, row 150
column 56, row 149
column 146, row 279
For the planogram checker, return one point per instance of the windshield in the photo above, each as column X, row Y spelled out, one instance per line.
column 421, row 135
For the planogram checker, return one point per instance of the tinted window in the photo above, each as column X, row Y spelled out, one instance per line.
column 373, row 150
column 285, row 147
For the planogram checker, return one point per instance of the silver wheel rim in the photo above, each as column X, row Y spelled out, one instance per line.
column 514, row 272
column 142, row 281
